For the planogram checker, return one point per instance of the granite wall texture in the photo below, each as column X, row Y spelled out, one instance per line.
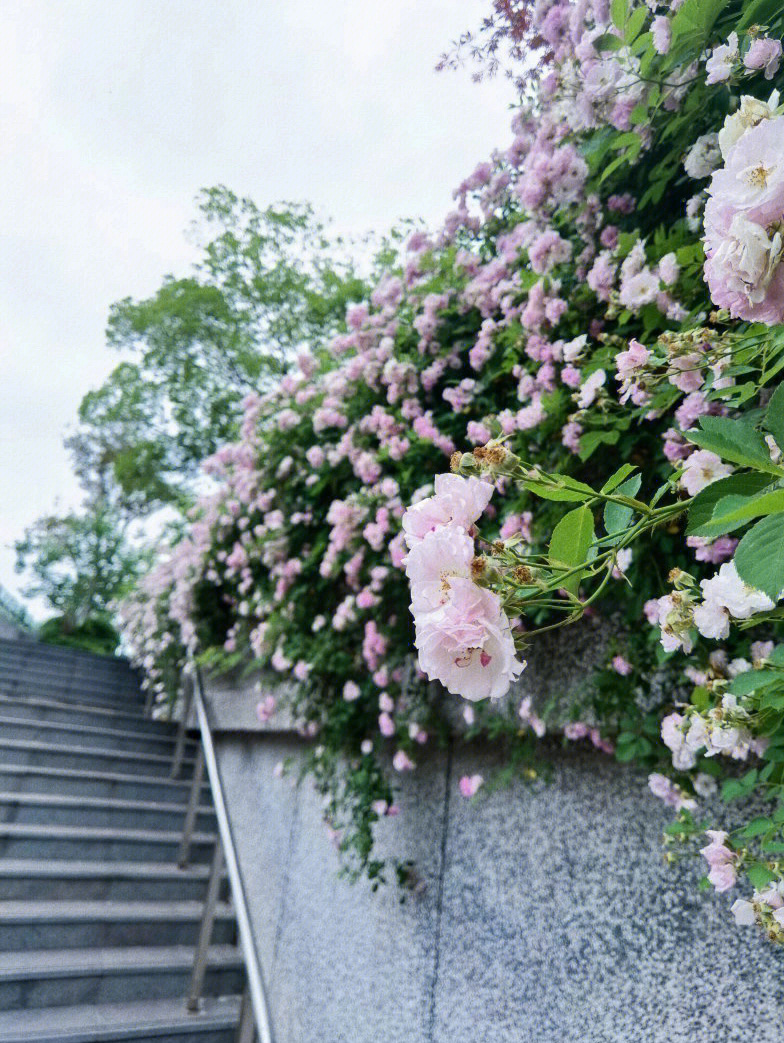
column 549, row 915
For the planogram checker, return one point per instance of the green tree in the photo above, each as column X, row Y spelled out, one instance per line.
column 268, row 282
column 80, row 562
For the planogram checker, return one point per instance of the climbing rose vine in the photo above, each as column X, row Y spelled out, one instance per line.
column 563, row 408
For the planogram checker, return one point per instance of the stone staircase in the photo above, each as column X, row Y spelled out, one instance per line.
column 97, row 922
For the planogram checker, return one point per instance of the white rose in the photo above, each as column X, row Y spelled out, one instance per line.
column 751, row 256
column 751, row 112
column 590, row 388
column 711, row 619
column 727, row 589
column 703, row 157
column 743, row 912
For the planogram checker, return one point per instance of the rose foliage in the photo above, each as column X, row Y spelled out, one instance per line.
column 594, row 338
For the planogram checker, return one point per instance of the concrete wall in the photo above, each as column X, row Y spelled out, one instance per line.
column 549, row 915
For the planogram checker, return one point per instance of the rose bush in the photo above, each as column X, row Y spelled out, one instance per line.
column 598, row 318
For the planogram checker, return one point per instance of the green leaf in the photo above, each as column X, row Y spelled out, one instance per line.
column 774, row 418
column 751, row 680
column 608, row 42
column 733, row 788
column 692, row 24
column 567, row 490
column 615, row 480
column 757, row 827
column 629, row 137
column 700, row 698
column 759, row 12
column 634, row 24
column 777, row 655
column 561, row 495
column 734, row 440
column 570, row 543
column 733, row 511
column 774, row 699
column 759, row 876
column 705, row 502
column 619, row 12
column 759, row 557
column 616, row 515
column 591, row 441
column 641, row 44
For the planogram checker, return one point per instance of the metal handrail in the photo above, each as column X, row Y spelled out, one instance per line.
column 255, row 980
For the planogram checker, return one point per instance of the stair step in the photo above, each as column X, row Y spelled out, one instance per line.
column 70, row 842
column 24, row 778
column 97, row 922
column 92, row 714
column 58, row 809
column 40, row 779
column 43, row 648
column 85, row 925
column 153, row 1021
column 66, row 694
column 68, row 670
column 46, row 978
column 105, row 685
column 60, row 755
column 61, row 879
column 110, row 694
column 89, row 735
column 115, row 670
column 66, row 660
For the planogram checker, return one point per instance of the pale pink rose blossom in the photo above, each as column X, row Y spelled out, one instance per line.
column 621, row 666
column 351, row 691
column 661, row 30
column 457, row 501
column 265, row 709
column 743, row 911
column 386, row 725
column 527, row 716
column 467, row 644
column 702, row 468
column 402, row 762
column 433, row 564
column 727, row 589
column 590, row 388
column 720, row 65
column 469, row 785
column 765, row 55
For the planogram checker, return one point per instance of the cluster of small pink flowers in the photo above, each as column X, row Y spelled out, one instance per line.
column 462, row 634
column 398, row 382
column 673, row 795
column 579, row 730
column 765, row 908
column 725, row 729
column 722, row 860
column 726, row 597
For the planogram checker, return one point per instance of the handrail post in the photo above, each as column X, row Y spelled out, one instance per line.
column 148, row 700
column 193, row 807
column 193, row 1002
column 255, row 982
column 181, row 729
column 246, row 1029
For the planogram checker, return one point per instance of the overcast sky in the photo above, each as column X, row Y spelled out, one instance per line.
column 113, row 113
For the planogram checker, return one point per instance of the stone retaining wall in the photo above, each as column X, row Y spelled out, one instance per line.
column 549, row 915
